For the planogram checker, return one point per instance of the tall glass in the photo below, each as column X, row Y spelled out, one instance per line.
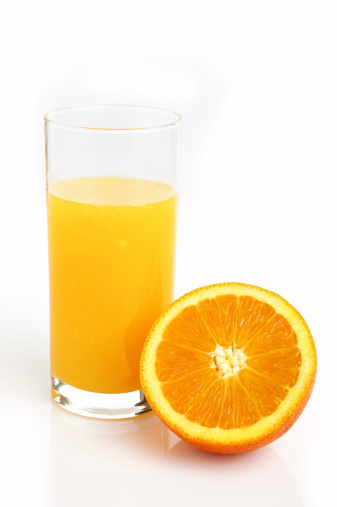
column 112, row 207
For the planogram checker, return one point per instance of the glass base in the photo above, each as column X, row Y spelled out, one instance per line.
column 97, row 405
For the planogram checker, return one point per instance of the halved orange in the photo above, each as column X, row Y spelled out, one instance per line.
column 229, row 367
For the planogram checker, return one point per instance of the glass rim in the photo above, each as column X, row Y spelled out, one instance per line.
column 49, row 117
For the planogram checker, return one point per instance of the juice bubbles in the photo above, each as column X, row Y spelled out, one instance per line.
column 111, row 262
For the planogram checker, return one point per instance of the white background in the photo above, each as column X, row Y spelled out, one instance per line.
column 256, row 84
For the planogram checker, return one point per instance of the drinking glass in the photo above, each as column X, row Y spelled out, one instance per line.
column 112, row 211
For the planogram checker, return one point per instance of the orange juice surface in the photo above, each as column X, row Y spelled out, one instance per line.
column 111, row 262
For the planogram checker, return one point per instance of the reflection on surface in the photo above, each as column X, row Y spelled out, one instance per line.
column 99, row 463
column 135, row 463
column 255, row 479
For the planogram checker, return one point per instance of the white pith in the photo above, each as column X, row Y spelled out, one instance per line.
column 228, row 361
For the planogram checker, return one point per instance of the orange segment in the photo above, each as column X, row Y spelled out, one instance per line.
column 263, row 392
column 220, row 316
column 187, row 391
column 281, row 366
column 189, row 330
column 175, row 361
column 238, row 409
column 229, row 367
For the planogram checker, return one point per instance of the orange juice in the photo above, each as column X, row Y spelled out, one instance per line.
column 111, row 262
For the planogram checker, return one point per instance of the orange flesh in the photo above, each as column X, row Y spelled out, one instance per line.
column 190, row 379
